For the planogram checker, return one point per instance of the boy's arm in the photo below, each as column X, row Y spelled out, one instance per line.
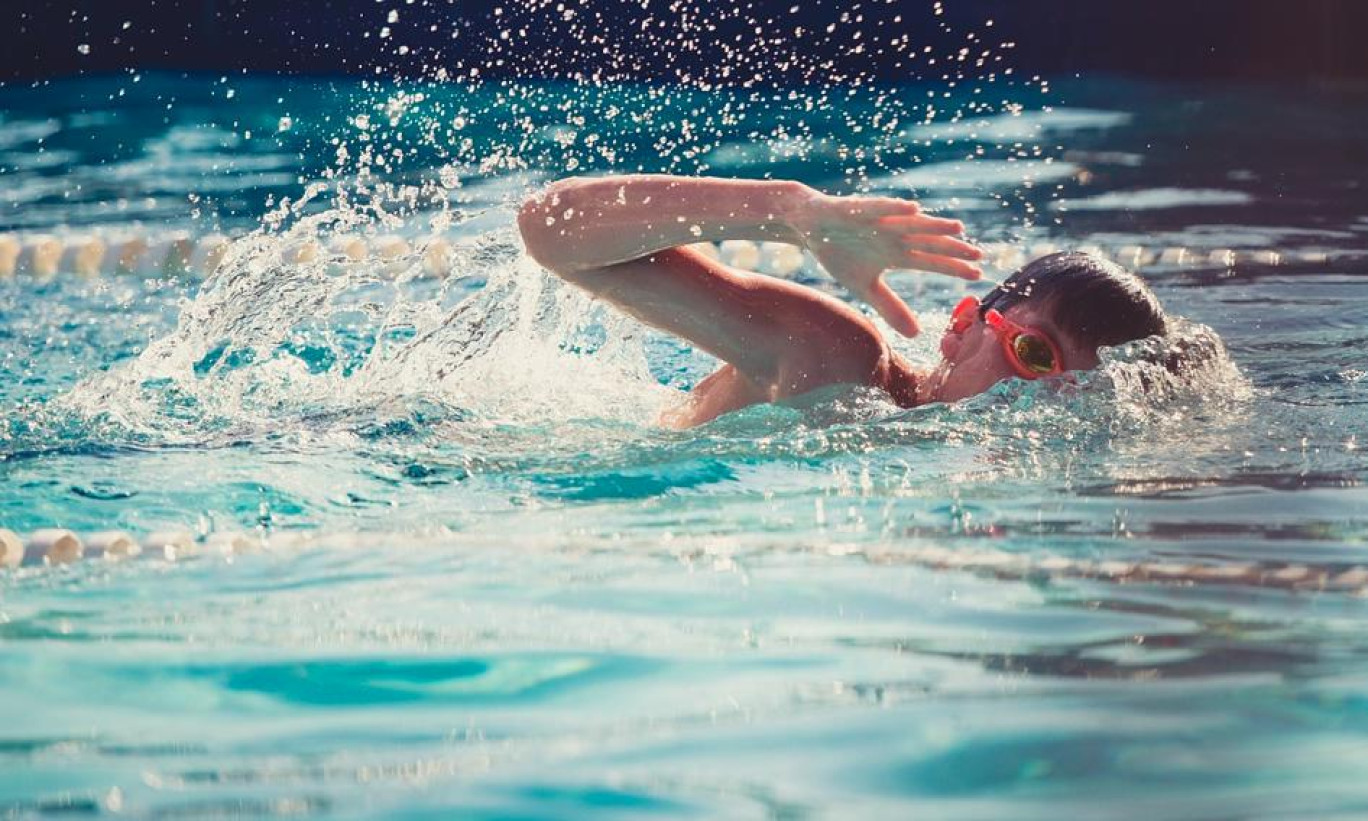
column 580, row 223
column 618, row 238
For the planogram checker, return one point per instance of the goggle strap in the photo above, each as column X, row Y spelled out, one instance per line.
column 962, row 317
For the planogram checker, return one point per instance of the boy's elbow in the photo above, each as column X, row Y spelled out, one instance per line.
column 539, row 233
column 543, row 228
column 532, row 225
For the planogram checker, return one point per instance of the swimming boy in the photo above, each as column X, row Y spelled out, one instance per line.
column 624, row 239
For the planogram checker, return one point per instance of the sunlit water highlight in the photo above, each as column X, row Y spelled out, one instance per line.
column 489, row 583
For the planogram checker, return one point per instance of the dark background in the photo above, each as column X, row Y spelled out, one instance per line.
column 1255, row 39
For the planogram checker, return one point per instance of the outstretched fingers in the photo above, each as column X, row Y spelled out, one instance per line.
column 888, row 207
column 939, row 264
column 943, row 245
column 922, row 224
column 892, row 308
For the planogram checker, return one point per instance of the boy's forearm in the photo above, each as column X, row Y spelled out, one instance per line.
column 583, row 223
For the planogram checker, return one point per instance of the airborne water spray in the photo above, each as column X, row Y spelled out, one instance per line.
column 429, row 163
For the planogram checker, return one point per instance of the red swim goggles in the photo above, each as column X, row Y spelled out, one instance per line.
column 1031, row 353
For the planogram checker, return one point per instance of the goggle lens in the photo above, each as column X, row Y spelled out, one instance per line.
column 1034, row 353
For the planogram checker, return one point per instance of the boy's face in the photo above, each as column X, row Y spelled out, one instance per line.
column 974, row 360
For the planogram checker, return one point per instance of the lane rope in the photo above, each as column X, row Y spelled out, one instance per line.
column 44, row 256
column 50, row 547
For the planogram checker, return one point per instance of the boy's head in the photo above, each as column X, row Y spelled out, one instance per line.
column 1047, row 318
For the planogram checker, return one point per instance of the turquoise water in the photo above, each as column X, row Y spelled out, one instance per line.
column 483, row 583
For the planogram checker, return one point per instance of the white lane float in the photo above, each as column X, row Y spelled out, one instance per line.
column 391, row 251
column 11, row 549
column 168, row 255
column 740, row 253
column 82, row 256
column 112, row 544
column 707, row 249
column 302, row 252
column 1263, row 256
column 170, row 544
column 780, row 258
column 1221, row 258
column 1174, row 256
column 39, row 257
column 208, row 255
column 228, row 543
column 352, row 247
column 438, row 257
column 1133, row 256
column 125, row 255
column 1348, row 581
column 10, row 246
column 55, row 546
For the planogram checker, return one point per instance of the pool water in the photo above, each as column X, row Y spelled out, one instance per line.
column 479, row 581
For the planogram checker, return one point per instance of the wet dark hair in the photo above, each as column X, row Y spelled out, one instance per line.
column 1093, row 300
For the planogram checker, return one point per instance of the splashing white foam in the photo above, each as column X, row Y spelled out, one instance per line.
column 329, row 344
column 335, row 343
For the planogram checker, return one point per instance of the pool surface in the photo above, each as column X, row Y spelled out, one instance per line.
column 475, row 580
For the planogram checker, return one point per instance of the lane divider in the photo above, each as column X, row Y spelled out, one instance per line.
column 1348, row 579
column 56, row 546
column 44, row 256
column 781, row 259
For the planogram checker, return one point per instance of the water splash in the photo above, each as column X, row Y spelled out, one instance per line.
column 272, row 347
column 334, row 345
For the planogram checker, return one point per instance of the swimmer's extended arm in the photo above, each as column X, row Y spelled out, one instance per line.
column 582, row 223
column 620, row 238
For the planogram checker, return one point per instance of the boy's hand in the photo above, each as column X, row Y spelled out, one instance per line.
column 858, row 239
